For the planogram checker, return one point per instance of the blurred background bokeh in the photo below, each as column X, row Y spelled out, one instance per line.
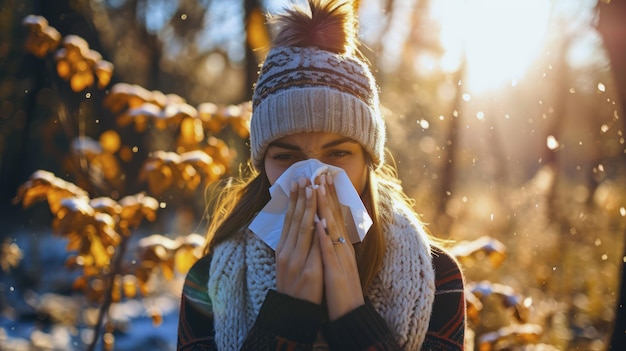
column 504, row 118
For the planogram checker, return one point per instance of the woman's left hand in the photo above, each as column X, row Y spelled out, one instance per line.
column 342, row 284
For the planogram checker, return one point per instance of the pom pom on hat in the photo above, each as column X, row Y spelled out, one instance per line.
column 314, row 80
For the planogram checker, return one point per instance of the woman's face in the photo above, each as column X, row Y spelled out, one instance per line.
column 330, row 148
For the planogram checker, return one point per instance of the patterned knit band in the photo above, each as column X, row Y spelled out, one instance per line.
column 312, row 90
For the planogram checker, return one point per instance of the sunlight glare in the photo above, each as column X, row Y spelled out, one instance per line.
column 501, row 38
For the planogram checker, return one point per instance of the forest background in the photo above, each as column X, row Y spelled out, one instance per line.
column 504, row 118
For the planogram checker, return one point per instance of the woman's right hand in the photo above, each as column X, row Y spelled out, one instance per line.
column 299, row 270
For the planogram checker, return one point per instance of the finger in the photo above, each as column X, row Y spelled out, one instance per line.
column 315, row 254
column 333, row 200
column 291, row 224
column 307, row 227
column 330, row 214
column 298, row 213
column 329, row 256
column 293, row 198
column 328, row 210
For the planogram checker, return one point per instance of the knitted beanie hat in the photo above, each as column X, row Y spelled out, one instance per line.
column 314, row 80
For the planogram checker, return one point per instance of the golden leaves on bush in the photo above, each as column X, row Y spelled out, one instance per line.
column 110, row 141
column 75, row 62
column 169, row 256
column 165, row 170
column 90, row 233
column 160, row 117
column 141, row 107
column 43, row 185
column 215, row 118
column 508, row 300
column 124, row 96
column 10, row 255
column 80, row 65
column 98, row 159
column 479, row 250
column 42, row 39
column 94, row 229
column 509, row 336
column 136, row 208
column 178, row 254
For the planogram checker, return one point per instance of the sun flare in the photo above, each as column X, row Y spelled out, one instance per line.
column 500, row 38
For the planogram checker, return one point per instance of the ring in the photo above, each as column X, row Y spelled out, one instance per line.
column 341, row 240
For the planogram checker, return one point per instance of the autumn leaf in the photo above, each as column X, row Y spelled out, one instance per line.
column 173, row 113
column 122, row 96
column 136, row 208
column 129, row 285
column 201, row 163
column 480, row 249
column 102, row 164
column 42, row 39
column 81, row 80
column 170, row 255
column 512, row 335
column 92, row 234
column 191, row 133
column 76, row 62
column 474, row 307
column 73, row 215
column 108, row 339
column 10, row 255
column 188, row 252
column 160, row 171
column 110, row 141
column 238, row 118
column 105, row 205
column 241, row 123
column 104, row 72
column 220, row 152
column 80, row 283
column 163, row 170
column 156, row 316
column 507, row 296
column 44, row 185
column 212, row 120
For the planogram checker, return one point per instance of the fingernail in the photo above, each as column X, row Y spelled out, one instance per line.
column 323, row 189
column 329, row 179
column 302, row 182
column 294, row 186
column 309, row 192
column 323, row 179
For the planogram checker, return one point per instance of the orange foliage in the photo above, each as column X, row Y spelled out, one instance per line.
column 42, row 39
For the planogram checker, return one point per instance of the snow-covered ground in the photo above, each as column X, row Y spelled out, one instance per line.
column 39, row 311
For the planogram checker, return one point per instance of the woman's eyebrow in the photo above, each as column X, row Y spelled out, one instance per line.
column 297, row 148
column 285, row 146
column 338, row 142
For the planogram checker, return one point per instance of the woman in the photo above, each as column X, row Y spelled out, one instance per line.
column 316, row 99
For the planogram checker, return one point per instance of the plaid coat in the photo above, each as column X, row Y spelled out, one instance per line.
column 285, row 323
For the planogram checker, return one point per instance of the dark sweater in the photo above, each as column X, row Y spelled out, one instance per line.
column 286, row 323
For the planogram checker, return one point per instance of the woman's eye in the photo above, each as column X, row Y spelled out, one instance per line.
column 340, row 153
column 282, row 157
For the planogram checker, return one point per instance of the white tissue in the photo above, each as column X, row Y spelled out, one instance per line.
column 269, row 222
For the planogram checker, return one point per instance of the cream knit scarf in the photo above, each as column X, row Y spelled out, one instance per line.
column 243, row 270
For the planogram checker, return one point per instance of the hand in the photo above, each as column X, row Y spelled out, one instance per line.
column 342, row 284
column 299, row 271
